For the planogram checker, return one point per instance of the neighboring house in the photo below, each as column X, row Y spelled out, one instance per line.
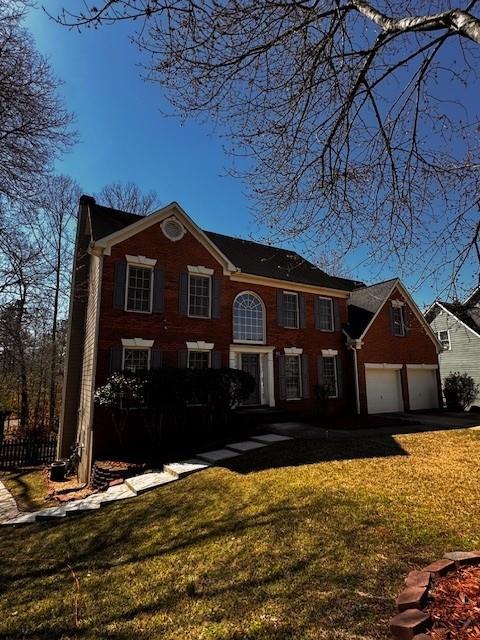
column 457, row 326
column 158, row 291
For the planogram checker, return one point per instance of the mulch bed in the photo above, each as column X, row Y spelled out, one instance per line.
column 455, row 606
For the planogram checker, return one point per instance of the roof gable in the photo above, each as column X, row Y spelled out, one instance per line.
column 466, row 314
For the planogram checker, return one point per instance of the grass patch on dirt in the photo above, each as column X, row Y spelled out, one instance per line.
column 307, row 539
column 29, row 488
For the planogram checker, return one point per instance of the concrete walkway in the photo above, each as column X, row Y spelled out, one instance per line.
column 132, row 487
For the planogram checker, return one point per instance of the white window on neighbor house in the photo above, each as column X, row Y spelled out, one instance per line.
column 248, row 319
column 325, row 314
column 139, row 288
column 293, row 377
column 199, row 359
column 135, row 360
column 199, row 295
column 444, row 338
column 398, row 321
column 330, row 378
column 290, row 309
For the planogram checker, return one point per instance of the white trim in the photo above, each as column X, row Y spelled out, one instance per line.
column 457, row 319
column 202, row 271
column 329, row 353
column 293, row 293
column 383, row 365
column 127, row 279
column 264, row 317
column 430, row 367
column 173, row 209
column 137, row 348
column 200, row 275
column 249, row 278
column 136, row 343
column 397, row 303
column 141, row 261
column 293, row 351
column 332, row 317
column 200, row 345
column 447, row 331
column 267, row 390
column 163, row 226
column 357, row 385
column 195, row 350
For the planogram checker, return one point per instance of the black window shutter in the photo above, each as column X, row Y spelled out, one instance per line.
column 120, row 278
column 339, row 364
column 182, row 359
column 316, row 312
column 320, row 370
column 183, row 294
column 305, row 378
column 216, row 283
column 282, row 383
column 155, row 359
column 116, row 354
column 301, row 311
column 158, row 290
column 280, row 309
column 336, row 315
column 216, row 360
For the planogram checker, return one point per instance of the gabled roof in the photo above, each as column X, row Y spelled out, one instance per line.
column 467, row 314
column 243, row 255
column 364, row 303
column 473, row 298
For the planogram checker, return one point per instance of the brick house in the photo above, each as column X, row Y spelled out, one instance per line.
column 157, row 291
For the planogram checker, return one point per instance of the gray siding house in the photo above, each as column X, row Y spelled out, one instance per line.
column 457, row 326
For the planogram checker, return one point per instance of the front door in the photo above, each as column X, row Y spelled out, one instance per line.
column 250, row 362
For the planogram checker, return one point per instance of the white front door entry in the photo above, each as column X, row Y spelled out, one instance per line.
column 258, row 361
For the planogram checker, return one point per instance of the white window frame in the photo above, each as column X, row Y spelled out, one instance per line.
column 400, row 308
column 136, row 348
column 264, row 319
column 332, row 319
column 300, row 377
column 140, row 262
column 189, row 351
column 292, row 293
column 333, row 357
column 206, row 277
column 447, row 331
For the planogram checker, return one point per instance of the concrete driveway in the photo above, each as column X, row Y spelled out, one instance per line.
column 442, row 419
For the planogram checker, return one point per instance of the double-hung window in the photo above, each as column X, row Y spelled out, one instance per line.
column 199, row 359
column 139, row 289
column 325, row 314
column 135, row 360
column 293, row 377
column 444, row 338
column 398, row 321
column 199, row 295
column 290, row 309
column 330, row 377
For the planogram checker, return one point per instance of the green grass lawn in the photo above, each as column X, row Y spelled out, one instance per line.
column 302, row 540
column 28, row 487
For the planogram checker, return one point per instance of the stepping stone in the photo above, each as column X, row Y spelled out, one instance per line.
column 248, row 445
column 22, row 518
column 51, row 513
column 118, row 492
column 217, row 455
column 408, row 624
column 185, row 468
column 79, row 506
column 147, row 481
column 270, row 438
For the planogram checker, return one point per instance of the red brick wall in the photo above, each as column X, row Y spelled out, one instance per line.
column 170, row 330
column 380, row 346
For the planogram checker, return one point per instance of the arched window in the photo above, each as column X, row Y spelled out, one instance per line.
column 248, row 318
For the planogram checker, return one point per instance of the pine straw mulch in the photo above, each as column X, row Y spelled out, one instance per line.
column 455, row 606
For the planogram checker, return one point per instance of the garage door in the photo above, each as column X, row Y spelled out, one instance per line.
column 384, row 390
column 422, row 388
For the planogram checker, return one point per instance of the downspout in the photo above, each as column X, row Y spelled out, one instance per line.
column 355, row 366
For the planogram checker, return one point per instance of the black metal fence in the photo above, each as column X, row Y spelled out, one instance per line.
column 23, row 452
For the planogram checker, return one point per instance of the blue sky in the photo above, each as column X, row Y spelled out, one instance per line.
column 124, row 137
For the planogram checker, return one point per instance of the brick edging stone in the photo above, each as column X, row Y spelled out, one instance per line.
column 412, row 622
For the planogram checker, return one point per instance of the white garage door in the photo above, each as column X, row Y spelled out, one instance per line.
column 422, row 388
column 384, row 390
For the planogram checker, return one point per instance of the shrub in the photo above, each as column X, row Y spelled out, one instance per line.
column 121, row 393
column 460, row 391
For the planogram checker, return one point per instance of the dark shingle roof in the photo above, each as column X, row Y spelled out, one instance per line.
column 469, row 314
column 250, row 257
column 363, row 305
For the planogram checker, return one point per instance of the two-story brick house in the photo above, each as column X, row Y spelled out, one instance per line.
column 158, row 291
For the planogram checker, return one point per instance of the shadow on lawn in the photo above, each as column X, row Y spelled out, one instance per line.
column 298, row 452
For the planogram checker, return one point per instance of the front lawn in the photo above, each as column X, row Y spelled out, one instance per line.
column 303, row 540
column 28, row 487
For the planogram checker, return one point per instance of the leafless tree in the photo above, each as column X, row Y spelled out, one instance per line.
column 355, row 122
column 128, row 197
column 34, row 124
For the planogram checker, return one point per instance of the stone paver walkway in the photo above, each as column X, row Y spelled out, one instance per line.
column 173, row 471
